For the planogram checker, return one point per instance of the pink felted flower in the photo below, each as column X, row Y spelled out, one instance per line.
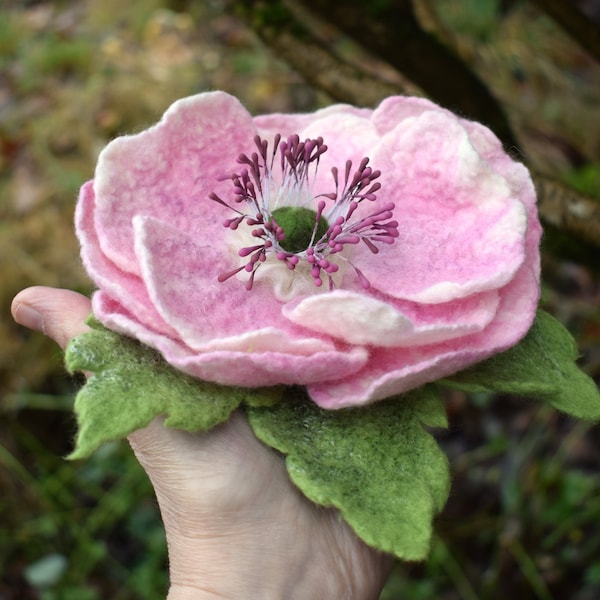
column 357, row 252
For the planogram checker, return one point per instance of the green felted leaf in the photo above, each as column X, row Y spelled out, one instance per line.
column 132, row 384
column 376, row 464
column 541, row 365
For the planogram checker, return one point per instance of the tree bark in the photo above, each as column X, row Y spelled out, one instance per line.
column 568, row 210
column 390, row 31
column 318, row 64
column 581, row 29
column 558, row 204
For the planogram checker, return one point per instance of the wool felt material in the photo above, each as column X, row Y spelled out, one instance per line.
column 131, row 385
column 376, row 464
column 459, row 284
column 543, row 365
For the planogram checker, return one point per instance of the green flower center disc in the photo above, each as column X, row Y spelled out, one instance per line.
column 298, row 225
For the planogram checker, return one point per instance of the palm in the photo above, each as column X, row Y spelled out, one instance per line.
column 227, row 492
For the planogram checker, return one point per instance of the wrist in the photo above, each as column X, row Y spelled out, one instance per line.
column 183, row 592
column 272, row 566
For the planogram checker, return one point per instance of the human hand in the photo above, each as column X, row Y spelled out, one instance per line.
column 236, row 526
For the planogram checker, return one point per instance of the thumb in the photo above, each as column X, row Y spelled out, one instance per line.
column 57, row 313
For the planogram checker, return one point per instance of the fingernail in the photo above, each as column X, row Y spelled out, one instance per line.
column 29, row 317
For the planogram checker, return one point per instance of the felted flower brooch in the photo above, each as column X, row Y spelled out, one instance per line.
column 338, row 267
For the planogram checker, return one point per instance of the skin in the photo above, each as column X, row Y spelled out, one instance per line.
column 236, row 526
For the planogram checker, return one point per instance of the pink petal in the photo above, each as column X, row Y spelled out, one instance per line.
column 461, row 224
column 168, row 171
column 288, row 124
column 126, row 288
column 207, row 315
column 348, row 137
column 120, row 319
column 271, row 368
column 392, row 111
column 515, row 173
column 392, row 371
column 362, row 319
column 459, row 284
column 226, row 367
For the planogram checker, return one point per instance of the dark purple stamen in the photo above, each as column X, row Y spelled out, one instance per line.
column 263, row 196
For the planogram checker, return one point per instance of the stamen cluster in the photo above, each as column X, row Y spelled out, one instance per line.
column 265, row 202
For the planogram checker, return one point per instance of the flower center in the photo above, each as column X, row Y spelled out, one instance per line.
column 274, row 193
column 298, row 224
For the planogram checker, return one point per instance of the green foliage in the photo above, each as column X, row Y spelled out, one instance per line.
column 276, row 14
column 585, row 179
column 9, row 39
column 542, row 526
column 376, row 464
column 541, row 365
column 377, row 8
column 476, row 18
column 73, row 519
column 132, row 384
column 52, row 55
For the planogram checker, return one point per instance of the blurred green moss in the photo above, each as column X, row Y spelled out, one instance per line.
column 585, row 179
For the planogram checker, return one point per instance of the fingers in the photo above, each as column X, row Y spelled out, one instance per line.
column 59, row 314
